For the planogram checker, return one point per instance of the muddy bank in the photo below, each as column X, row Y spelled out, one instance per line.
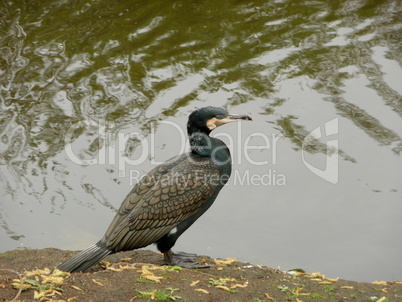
column 141, row 276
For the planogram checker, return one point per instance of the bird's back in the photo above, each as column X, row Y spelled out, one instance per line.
column 165, row 197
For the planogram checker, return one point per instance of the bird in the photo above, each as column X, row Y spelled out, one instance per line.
column 170, row 198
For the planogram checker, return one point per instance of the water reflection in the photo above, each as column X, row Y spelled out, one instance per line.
column 88, row 71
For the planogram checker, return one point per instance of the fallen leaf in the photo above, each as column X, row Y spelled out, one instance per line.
column 75, row 287
column 225, row 262
column 37, row 272
column 194, row 283
column 24, row 286
column 268, row 297
column 59, row 273
column 97, row 282
column 325, row 282
column 347, row 287
column 223, row 287
column 126, row 259
column 317, row 275
column 2, row 285
column 383, row 299
column 224, row 280
column 105, row 263
column 149, row 275
column 379, row 283
column 113, row 269
column 202, row 290
column 52, row 280
column 238, row 285
column 72, row 299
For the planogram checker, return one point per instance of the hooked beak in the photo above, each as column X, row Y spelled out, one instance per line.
column 233, row 118
column 214, row 122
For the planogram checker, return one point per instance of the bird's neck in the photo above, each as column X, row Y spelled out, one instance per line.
column 204, row 145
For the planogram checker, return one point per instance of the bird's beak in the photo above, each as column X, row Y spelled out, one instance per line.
column 232, row 118
column 214, row 122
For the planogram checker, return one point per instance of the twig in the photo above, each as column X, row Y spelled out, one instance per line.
column 21, row 282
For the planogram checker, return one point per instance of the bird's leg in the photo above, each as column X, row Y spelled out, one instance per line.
column 182, row 259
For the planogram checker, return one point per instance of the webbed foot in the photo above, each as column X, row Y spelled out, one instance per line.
column 182, row 259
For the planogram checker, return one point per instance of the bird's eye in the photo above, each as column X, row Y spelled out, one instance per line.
column 219, row 116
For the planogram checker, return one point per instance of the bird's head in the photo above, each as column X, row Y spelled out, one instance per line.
column 208, row 118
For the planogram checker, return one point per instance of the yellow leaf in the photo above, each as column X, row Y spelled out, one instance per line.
column 382, row 299
column 38, row 295
column 59, row 273
column 2, row 285
column 37, row 272
column 225, row 262
column 379, row 283
column 75, row 287
column 72, row 299
column 347, row 287
column 97, row 282
column 332, row 280
column 219, row 268
column 24, row 286
column 223, row 287
column 202, row 290
column 224, row 280
column 52, row 280
column 316, row 279
column 268, row 297
column 325, row 282
column 126, row 259
column 113, row 269
column 317, row 275
column 238, row 285
column 194, row 283
column 152, row 278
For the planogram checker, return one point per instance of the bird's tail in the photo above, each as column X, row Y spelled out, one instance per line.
column 85, row 259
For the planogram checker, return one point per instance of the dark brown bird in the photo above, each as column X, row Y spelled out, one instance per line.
column 170, row 198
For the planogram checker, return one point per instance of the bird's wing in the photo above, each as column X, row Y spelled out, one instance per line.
column 140, row 189
column 176, row 196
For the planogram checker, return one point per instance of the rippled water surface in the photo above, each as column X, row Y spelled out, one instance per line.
column 95, row 93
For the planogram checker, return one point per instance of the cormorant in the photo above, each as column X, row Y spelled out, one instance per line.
column 170, row 198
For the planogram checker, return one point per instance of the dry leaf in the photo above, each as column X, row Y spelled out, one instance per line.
column 72, row 299
column 223, row 287
column 149, row 275
column 225, row 262
column 105, row 263
column 194, row 283
column 347, row 287
column 113, row 269
column 2, row 285
column 317, row 275
column 126, row 259
column 224, row 280
column 52, row 280
column 238, row 285
column 97, row 282
column 268, row 297
column 219, row 268
column 202, row 290
column 37, row 272
column 24, row 286
column 59, row 273
column 325, row 282
column 379, row 282
column 75, row 287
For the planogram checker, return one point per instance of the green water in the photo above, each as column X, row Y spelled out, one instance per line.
column 94, row 93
